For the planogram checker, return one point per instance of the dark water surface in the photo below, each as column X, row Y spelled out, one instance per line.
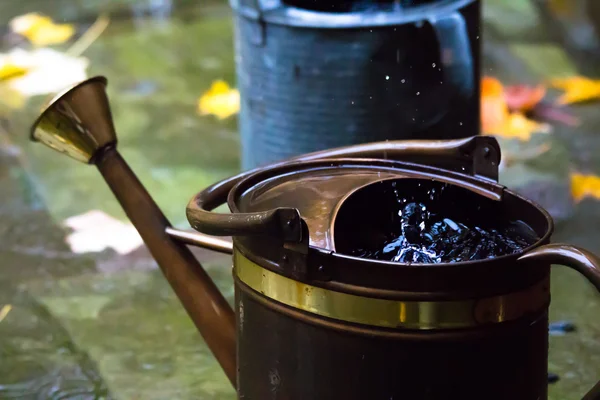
column 430, row 222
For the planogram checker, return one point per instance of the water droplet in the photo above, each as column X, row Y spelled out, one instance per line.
column 433, row 65
column 387, row 77
column 418, row 93
column 460, row 123
column 403, row 80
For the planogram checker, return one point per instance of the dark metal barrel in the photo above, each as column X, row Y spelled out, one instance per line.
column 287, row 354
column 311, row 80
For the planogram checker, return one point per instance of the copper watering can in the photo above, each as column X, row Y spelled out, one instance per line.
column 311, row 321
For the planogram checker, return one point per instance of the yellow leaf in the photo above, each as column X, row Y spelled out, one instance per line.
column 577, row 89
column 518, row 126
column 583, row 186
column 4, row 311
column 9, row 71
column 220, row 100
column 41, row 30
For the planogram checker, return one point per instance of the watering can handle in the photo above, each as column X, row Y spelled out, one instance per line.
column 582, row 261
column 480, row 156
column 455, row 53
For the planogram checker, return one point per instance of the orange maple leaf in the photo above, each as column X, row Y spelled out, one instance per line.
column 494, row 110
column 583, row 186
column 577, row 89
column 498, row 120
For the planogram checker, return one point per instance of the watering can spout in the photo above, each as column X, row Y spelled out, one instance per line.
column 78, row 122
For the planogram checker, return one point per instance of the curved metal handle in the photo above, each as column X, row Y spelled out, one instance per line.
column 479, row 155
column 284, row 223
column 455, row 52
column 476, row 155
column 578, row 259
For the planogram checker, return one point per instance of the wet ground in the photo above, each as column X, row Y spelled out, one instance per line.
column 102, row 325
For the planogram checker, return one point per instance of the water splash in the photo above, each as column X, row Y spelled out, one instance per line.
column 427, row 236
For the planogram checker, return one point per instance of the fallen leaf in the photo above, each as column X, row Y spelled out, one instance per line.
column 494, row 110
column 523, row 97
column 577, row 89
column 583, row 186
column 95, row 231
column 4, row 311
column 496, row 118
column 518, row 126
column 46, row 71
column 9, row 71
column 40, row 30
column 220, row 100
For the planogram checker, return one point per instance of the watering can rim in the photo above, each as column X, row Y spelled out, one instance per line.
column 286, row 169
column 281, row 14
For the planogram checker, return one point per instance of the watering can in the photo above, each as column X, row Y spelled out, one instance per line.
column 320, row 74
column 312, row 320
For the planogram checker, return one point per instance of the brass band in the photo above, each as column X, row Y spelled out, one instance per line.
column 390, row 313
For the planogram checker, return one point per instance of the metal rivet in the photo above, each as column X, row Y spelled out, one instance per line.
column 487, row 152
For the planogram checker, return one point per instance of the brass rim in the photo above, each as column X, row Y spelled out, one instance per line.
column 425, row 315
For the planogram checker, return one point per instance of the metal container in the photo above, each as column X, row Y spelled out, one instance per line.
column 311, row 321
column 311, row 80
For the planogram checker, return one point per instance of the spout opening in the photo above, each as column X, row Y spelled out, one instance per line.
column 57, row 97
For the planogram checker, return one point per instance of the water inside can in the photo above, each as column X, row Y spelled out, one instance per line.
column 432, row 222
